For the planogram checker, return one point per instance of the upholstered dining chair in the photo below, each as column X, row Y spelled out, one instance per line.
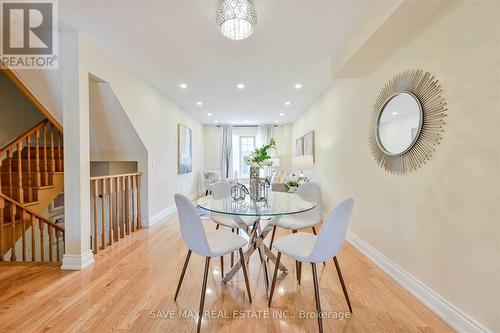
column 305, row 247
column 210, row 177
column 205, row 243
column 310, row 192
column 220, row 191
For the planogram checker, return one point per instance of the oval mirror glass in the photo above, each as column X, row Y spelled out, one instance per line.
column 399, row 123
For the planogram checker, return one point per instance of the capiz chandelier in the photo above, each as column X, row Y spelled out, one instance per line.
column 236, row 19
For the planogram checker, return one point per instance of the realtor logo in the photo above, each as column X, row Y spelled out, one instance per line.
column 29, row 34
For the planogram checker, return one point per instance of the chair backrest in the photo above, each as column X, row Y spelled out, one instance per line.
column 311, row 192
column 210, row 177
column 221, row 190
column 332, row 234
column 192, row 230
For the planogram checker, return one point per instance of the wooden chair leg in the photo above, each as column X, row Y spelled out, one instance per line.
column 182, row 274
column 206, row 192
column 217, row 227
column 314, row 232
column 344, row 289
column 316, row 296
column 203, row 291
column 245, row 274
column 232, row 253
column 300, row 271
column 222, row 266
column 273, row 285
column 296, row 264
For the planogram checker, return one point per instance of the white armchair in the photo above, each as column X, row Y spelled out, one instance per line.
column 210, row 177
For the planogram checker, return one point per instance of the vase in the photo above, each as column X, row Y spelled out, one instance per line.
column 254, row 182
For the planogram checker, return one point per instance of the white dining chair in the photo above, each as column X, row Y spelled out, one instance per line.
column 310, row 192
column 205, row 243
column 305, row 247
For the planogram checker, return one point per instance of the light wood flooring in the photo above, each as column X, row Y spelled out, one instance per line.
column 132, row 284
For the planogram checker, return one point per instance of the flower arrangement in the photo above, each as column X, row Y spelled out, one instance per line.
column 261, row 158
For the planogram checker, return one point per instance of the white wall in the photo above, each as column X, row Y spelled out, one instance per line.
column 442, row 223
column 17, row 113
column 155, row 120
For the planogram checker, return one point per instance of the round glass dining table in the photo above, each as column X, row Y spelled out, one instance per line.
column 276, row 205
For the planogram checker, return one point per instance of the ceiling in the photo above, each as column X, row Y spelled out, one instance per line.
column 176, row 41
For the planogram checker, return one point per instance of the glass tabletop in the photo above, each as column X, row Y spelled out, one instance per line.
column 278, row 203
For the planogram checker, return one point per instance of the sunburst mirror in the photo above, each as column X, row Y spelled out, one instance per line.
column 408, row 121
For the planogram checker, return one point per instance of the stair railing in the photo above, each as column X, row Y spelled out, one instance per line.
column 40, row 148
column 28, row 236
column 116, row 205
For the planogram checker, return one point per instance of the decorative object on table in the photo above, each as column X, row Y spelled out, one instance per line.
column 293, row 185
column 184, row 149
column 302, row 163
column 299, row 146
column 258, row 159
column 239, row 192
column 309, row 145
column 236, row 19
column 259, row 189
column 408, row 121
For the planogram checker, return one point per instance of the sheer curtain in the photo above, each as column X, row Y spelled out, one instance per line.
column 226, row 152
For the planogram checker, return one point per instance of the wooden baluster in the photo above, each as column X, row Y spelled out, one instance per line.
column 45, row 164
column 96, row 190
column 103, row 214
column 2, row 206
column 42, row 245
column 59, row 152
column 122, row 181
column 1, row 174
column 13, row 212
column 38, row 177
column 20, row 172
column 129, row 217
column 51, row 242
column 117, row 217
column 132, row 204
column 58, row 250
column 30, row 190
column 52, row 150
column 24, row 216
column 138, row 201
column 33, row 247
column 110, row 208
column 9, row 165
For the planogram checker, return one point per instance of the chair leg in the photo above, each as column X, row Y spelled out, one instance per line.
column 222, row 266
column 217, row 227
column 314, row 232
column 316, row 295
column 300, row 271
column 296, row 264
column 344, row 289
column 232, row 253
column 245, row 274
column 206, row 192
column 273, row 285
column 203, row 291
column 182, row 274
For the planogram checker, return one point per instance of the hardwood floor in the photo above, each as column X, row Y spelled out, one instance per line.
column 132, row 286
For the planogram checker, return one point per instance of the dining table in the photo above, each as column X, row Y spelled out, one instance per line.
column 271, row 208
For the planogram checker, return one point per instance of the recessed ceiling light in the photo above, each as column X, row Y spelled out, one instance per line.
column 287, row 103
column 183, row 86
column 246, row 121
column 298, row 86
column 209, row 114
column 240, row 86
column 216, row 121
column 276, row 121
column 394, row 113
column 281, row 114
column 199, row 103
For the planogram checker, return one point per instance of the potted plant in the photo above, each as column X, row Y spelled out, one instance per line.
column 258, row 159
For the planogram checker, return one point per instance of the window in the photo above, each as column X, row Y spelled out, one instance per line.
column 247, row 146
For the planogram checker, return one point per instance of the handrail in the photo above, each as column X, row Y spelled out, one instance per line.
column 116, row 176
column 28, row 132
column 31, row 212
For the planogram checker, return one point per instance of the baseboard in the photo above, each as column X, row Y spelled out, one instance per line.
column 437, row 304
column 76, row 262
column 169, row 212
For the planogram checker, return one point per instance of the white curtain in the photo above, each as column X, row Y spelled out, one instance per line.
column 264, row 135
column 226, row 152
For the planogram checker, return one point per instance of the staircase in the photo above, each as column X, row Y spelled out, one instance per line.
column 31, row 177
